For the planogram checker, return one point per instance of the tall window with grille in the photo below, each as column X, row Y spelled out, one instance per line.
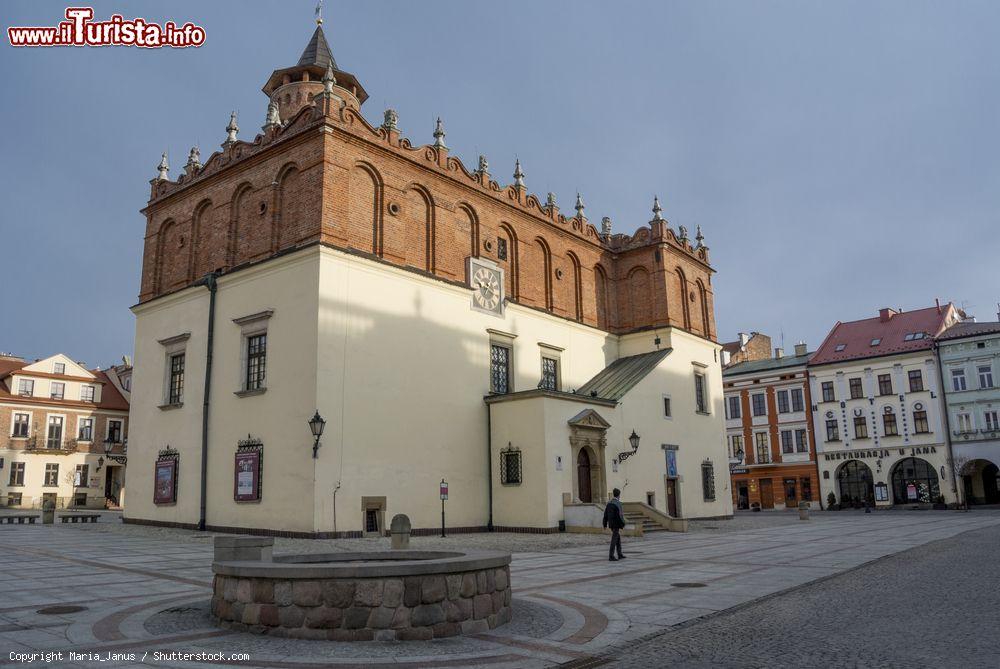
column 175, row 386
column 500, row 369
column 55, row 433
column 256, row 362
column 708, row 481
column 916, row 380
column 700, row 401
column 550, row 374
column 884, row 384
column 20, row 426
column 510, row 466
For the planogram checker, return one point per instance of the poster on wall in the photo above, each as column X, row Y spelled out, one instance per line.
column 881, row 492
column 247, row 476
column 165, row 488
column 911, row 492
column 671, row 463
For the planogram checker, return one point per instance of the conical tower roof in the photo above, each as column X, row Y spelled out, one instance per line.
column 318, row 52
column 316, row 59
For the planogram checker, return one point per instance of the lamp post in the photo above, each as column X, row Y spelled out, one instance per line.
column 316, row 425
column 633, row 440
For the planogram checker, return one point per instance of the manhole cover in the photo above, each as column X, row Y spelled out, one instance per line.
column 59, row 610
column 688, row 585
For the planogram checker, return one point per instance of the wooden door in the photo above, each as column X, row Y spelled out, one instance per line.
column 766, row 494
column 583, row 476
column 791, row 501
column 672, row 498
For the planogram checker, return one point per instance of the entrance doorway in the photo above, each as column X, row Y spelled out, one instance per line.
column 791, row 501
column 766, row 494
column 855, row 482
column 981, row 481
column 672, row 498
column 583, row 476
column 743, row 496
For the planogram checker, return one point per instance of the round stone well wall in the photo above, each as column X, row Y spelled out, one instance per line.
column 403, row 594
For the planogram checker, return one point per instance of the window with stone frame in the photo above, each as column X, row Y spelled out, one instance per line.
column 500, row 356
column 51, row 474
column 916, row 380
column 57, row 390
column 782, row 397
column 510, row 466
column 55, row 432
column 763, row 448
column 26, row 387
column 832, row 432
column 16, row 474
column 856, row 388
column 958, row 380
column 827, row 388
column 884, row 384
column 87, row 393
column 798, row 400
column 801, row 441
column 700, row 401
column 786, row 442
column 860, row 427
column 733, row 406
column 759, row 402
column 708, row 481
column 81, row 476
column 985, row 376
column 991, row 421
column 550, row 374
column 20, row 428
column 59, row 368
column 115, row 431
column 85, row 429
column 175, row 384
column 920, row 425
column 889, row 428
column 256, row 370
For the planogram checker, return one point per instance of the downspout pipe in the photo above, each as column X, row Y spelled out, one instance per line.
column 947, row 428
column 489, row 463
column 209, row 281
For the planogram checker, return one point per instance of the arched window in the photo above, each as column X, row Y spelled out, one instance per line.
column 855, row 482
column 914, row 480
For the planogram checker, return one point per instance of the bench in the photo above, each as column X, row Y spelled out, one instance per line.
column 10, row 518
column 80, row 517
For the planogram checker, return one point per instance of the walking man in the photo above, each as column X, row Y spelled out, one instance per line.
column 614, row 517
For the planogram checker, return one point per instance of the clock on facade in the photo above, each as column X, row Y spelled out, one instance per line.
column 486, row 282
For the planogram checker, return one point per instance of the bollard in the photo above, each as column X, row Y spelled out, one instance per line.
column 803, row 510
column 48, row 512
column 400, row 531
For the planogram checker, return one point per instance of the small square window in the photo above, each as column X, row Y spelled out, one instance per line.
column 666, row 407
column 876, row 341
column 86, row 393
column 59, row 368
column 840, row 347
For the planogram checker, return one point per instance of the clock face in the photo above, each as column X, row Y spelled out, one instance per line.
column 486, row 288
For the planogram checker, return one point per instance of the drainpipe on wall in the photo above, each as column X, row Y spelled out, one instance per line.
column 489, row 463
column 209, row 281
column 947, row 428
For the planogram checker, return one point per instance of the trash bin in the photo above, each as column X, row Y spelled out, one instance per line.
column 48, row 512
column 803, row 510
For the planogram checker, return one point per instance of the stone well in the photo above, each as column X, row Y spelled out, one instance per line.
column 403, row 594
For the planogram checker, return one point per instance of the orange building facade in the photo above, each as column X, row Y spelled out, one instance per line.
column 769, row 433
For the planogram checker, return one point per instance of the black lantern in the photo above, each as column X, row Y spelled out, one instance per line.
column 634, row 440
column 316, row 425
column 739, row 454
column 109, row 444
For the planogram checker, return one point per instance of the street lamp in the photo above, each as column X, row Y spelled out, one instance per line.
column 633, row 440
column 109, row 444
column 316, row 425
column 739, row 454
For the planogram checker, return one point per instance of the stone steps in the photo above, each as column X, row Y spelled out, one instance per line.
column 648, row 524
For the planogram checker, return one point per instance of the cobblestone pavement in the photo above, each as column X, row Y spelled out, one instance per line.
column 141, row 590
column 933, row 606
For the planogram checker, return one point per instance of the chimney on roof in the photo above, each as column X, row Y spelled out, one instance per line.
column 801, row 348
column 744, row 338
column 886, row 314
column 937, row 303
column 779, row 353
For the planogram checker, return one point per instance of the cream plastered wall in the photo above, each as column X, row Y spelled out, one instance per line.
column 34, row 477
column 278, row 417
column 872, row 406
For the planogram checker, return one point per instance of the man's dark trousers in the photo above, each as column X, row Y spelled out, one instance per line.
column 616, row 543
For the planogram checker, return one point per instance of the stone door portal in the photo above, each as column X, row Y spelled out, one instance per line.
column 583, row 476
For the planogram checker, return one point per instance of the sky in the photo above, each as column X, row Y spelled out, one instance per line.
column 839, row 156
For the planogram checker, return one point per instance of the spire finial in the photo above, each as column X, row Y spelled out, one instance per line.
column 484, row 165
column 329, row 80
column 606, row 226
column 319, row 13
column 550, row 200
column 683, row 233
column 231, row 130
column 657, row 209
column 518, row 174
column 273, row 120
column 700, row 238
column 439, row 135
column 163, row 168
column 390, row 119
column 579, row 205
column 194, row 160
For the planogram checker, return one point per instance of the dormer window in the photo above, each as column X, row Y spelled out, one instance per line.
column 59, row 368
column 26, row 387
column 840, row 347
column 876, row 341
column 86, row 393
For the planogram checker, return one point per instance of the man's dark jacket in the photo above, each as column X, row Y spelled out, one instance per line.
column 613, row 517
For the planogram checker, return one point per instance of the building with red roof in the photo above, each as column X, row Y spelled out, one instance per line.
column 877, row 410
column 64, row 432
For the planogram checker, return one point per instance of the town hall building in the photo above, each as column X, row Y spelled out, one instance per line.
column 431, row 327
